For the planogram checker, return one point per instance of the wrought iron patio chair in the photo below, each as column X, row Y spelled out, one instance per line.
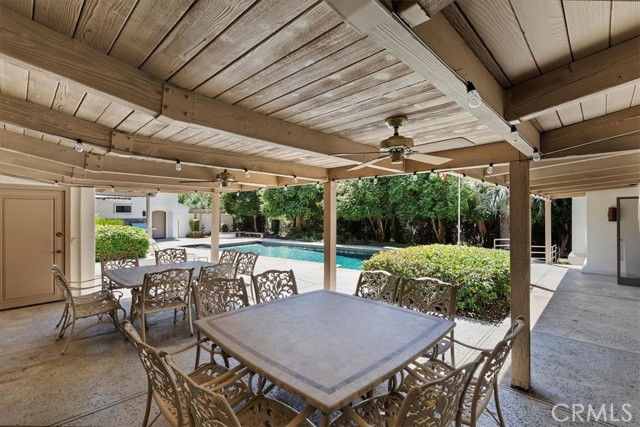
column 164, row 290
column 102, row 304
column 214, row 294
column 171, row 255
column 223, row 270
column 161, row 385
column 434, row 297
column 210, row 408
column 377, row 285
column 113, row 261
column 246, row 262
column 228, row 256
column 481, row 387
column 435, row 403
column 274, row 284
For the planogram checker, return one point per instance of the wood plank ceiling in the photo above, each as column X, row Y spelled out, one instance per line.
column 293, row 61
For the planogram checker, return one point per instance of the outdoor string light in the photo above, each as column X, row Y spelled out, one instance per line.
column 178, row 165
column 473, row 97
column 79, row 147
column 490, row 169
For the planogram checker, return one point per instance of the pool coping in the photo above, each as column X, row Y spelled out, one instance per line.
column 318, row 246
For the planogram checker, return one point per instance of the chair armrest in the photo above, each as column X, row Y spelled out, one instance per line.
column 187, row 347
column 482, row 350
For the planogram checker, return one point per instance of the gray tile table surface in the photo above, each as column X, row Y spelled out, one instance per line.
column 326, row 347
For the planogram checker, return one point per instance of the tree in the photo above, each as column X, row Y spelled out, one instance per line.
column 242, row 204
column 300, row 204
column 359, row 200
column 195, row 200
column 494, row 202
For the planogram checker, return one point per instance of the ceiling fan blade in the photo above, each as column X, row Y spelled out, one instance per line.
column 355, row 154
column 369, row 163
column 446, row 144
column 432, row 160
column 197, row 181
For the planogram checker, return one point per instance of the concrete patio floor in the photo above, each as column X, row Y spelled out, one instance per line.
column 585, row 350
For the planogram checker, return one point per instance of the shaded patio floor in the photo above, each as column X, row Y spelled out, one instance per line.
column 585, row 350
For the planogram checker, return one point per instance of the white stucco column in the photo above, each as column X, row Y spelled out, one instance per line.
column 215, row 226
column 330, row 240
column 578, row 230
column 548, row 255
column 82, row 235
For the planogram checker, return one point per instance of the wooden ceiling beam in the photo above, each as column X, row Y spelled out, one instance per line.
column 553, row 167
column 573, row 139
column 36, row 46
column 31, row 116
column 581, row 79
column 587, row 185
column 10, row 141
column 416, row 50
column 603, row 175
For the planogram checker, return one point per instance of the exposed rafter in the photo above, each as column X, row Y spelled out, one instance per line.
column 590, row 76
column 32, row 116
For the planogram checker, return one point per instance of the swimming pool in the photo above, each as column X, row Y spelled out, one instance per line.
column 345, row 260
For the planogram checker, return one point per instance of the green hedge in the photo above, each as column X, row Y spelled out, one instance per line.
column 108, row 221
column 116, row 238
column 482, row 274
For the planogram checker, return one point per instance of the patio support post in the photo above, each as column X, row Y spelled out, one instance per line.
column 330, row 225
column 520, row 255
column 548, row 255
column 149, row 225
column 215, row 226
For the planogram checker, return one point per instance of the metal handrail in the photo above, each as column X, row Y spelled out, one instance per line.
column 538, row 252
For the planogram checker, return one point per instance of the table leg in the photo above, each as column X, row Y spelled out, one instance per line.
column 324, row 419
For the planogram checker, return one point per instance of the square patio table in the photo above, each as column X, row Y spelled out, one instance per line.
column 325, row 347
column 133, row 277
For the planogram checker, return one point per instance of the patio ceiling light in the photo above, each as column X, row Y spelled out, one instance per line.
column 375, row 179
column 490, row 169
column 360, row 182
column 178, row 165
column 415, row 177
column 318, row 185
column 286, row 187
column 247, row 173
column 225, row 178
column 537, row 155
column 514, row 137
column 473, row 97
column 79, row 147
column 295, row 179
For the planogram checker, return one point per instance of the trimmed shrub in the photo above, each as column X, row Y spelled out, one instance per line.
column 482, row 275
column 109, row 221
column 116, row 238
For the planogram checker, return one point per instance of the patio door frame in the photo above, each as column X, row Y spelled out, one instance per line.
column 627, row 281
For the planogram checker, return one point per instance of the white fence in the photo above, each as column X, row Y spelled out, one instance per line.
column 538, row 252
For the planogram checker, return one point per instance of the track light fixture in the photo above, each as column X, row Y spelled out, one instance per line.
column 79, row 147
column 473, row 97
column 537, row 155
column 490, row 169
column 178, row 165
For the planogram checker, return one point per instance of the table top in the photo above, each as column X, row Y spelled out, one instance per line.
column 326, row 347
column 133, row 277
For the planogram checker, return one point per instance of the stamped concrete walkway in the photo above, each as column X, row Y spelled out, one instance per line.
column 585, row 351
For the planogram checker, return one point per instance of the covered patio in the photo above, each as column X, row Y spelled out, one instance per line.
column 581, row 355
column 141, row 97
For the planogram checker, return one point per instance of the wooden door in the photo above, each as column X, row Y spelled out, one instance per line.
column 159, row 224
column 31, row 240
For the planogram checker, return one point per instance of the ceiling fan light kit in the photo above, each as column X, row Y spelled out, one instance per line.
column 225, row 178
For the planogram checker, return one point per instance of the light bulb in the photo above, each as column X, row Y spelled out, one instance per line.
column 79, row 147
column 318, row 185
column 178, row 165
column 375, row 179
column 56, row 183
column 473, row 97
column 359, row 182
column 414, row 177
column 113, row 190
column 247, row 173
column 286, row 187
column 490, row 169
column 514, row 137
column 295, row 179
column 536, row 155
column 237, row 193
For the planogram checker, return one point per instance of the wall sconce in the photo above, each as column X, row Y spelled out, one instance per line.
column 612, row 215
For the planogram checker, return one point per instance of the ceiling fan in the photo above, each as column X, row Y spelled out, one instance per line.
column 398, row 147
column 225, row 178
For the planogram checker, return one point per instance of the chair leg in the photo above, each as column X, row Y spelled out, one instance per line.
column 143, row 327
column 498, row 410
column 64, row 314
column 453, row 356
column 148, row 409
column 73, row 325
column 188, row 309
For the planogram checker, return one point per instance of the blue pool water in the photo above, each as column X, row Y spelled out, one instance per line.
column 350, row 261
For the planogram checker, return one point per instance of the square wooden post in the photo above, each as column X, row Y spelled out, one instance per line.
column 330, row 225
column 520, row 254
column 215, row 226
column 548, row 254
